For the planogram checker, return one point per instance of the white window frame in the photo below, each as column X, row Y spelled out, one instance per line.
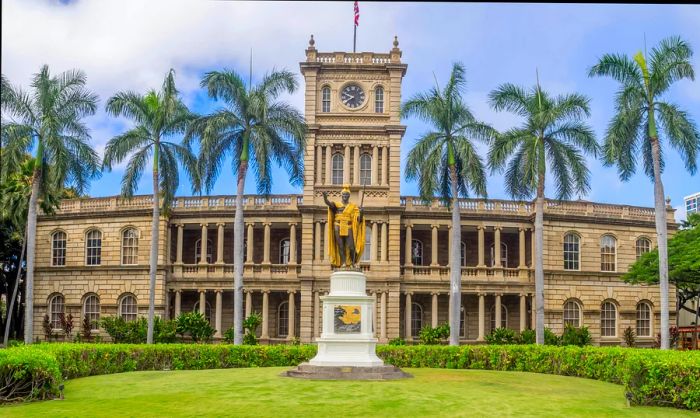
column 283, row 323
column 640, row 318
column 463, row 254
column 325, row 99
column 572, row 306
column 365, row 169
column 198, row 251
column 642, row 246
column 379, row 99
column 285, row 251
column 93, row 252
column 337, row 162
column 92, row 310
column 416, row 244
column 573, row 262
column 367, row 251
column 504, row 254
column 57, row 306
column 605, row 312
column 130, row 243
column 58, row 252
column 605, row 252
column 416, row 318
column 128, row 314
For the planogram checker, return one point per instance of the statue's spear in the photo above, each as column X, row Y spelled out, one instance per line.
column 362, row 201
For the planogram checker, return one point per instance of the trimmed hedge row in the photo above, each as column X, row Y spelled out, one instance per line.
column 650, row 377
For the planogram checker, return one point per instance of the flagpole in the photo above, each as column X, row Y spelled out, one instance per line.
column 354, row 38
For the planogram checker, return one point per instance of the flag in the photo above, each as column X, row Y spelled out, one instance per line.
column 357, row 14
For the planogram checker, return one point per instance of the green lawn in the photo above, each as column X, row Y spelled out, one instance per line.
column 262, row 392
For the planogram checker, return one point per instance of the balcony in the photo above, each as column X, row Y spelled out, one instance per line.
column 224, row 272
column 469, row 274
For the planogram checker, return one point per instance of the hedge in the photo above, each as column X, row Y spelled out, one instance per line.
column 650, row 377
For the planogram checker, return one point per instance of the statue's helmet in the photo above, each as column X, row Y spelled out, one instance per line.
column 346, row 189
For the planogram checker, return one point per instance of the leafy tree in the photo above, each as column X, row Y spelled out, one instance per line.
column 634, row 130
column 49, row 122
column 158, row 116
column 551, row 138
column 445, row 162
column 254, row 129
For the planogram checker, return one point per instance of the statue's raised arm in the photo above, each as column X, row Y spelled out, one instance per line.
column 330, row 204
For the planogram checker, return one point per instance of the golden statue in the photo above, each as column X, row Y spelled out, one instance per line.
column 346, row 230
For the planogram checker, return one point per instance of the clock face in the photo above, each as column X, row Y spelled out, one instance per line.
column 352, row 96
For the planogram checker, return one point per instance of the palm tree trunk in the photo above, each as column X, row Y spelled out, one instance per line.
column 11, row 307
column 238, row 228
column 153, row 268
column 455, row 262
column 661, row 238
column 539, row 261
column 697, row 326
column 31, row 248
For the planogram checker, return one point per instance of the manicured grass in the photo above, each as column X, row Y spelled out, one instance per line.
column 262, row 392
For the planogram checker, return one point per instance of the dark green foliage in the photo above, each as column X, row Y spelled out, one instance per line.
column 250, row 325
column 195, row 325
column 576, row 336
column 502, row 336
column 48, row 329
column 527, row 336
column 630, row 337
column 551, row 338
column 397, row 341
column 431, row 336
column 134, row 332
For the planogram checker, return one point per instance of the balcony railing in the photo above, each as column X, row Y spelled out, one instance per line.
column 442, row 273
column 225, row 271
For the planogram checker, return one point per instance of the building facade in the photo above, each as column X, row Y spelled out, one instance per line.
column 92, row 255
column 692, row 203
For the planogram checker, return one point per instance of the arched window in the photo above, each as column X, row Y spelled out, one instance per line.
column 643, row 319
column 198, row 251
column 643, row 246
column 58, row 248
column 504, row 317
column 207, row 310
column 572, row 313
column 128, row 308
column 366, row 253
column 463, row 254
column 326, row 99
column 365, row 169
column 379, row 100
column 91, row 310
column 504, row 255
column 416, row 252
column 93, row 247
column 57, row 308
column 416, row 318
column 284, row 251
column 337, row 173
column 130, row 246
column 572, row 253
column 608, row 319
column 608, row 245
column 283, row 319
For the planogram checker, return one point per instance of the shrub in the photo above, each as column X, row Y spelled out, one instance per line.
column 551, row 338
column 195, row 325
column 135, row 332
column 27, row 374
column 630, row 337
column 397, row 341
column 575, row 336
column 86, row 328
column 66, row 324
column 48, row 329
column 251, row 324
column 502, row 336
column 431, row 336
column 528, row 336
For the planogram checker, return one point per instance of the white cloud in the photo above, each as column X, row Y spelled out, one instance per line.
column 681, row 214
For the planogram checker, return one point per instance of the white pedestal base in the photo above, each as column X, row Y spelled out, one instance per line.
column 346, row 353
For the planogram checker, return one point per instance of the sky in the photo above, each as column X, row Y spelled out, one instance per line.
column 130, row 45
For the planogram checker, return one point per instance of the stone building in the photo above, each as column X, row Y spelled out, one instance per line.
column 93, row 253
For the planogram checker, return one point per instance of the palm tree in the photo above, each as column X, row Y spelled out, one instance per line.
column 640, row 108
column 254, row 129
column 158, row 115
column 445, row 162
column 49, row 121
column 552, row 137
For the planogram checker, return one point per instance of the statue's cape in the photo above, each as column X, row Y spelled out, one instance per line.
column 358, row 233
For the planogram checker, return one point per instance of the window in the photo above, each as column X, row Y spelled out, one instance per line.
column 365, row 169
column 198, row 251
column 379, row 100
column 416, row 252
column 128, row 308
column 504, row 255
column 608, row 320
column 58, row 248
column 91, row 310
column 326, row 100
column 337, row 169
column 572, row 313
column 462, row 322
column 57, row 308
column 643, row 246
column 416, row 318
column 284, row 251
column 207, row 310
column 93, row 248
column 607, row 253
column 643, row 320
column 366, row 253
column 572, row 252
column 283, row 319
column 463, row 254
column 130, row 246
column 504, row 317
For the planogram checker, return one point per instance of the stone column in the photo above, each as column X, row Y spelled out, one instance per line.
column 319, row 164
column 292, row 310
column 250, row 244
column 480, row 243
column 203, row 247
column 317, row 242
column 385, row 166
column 248, row 303
column 373, row 246
column 178, row 254
column 523, row 312
column 266, row 243
column 346, row 165
column 329, row 163
column 202, row 302
column 533, row 251
column 521, row 248
column 434, row 246
column 178, row 302
column 317, row 305
column 356, row 165
column 449, row 245
column 382, row 324
column 533, row 313
column 264, row 333
column 434, row 310
column 220, row 243
column 217, row 323
column 408, row 315
column 384, row 253
column 497, row 247
column 375, row 165
column 482, row 314
column 497, row 310
column 409, row 238
column 292, row 243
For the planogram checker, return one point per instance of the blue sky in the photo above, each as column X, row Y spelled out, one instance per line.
column 130, row 45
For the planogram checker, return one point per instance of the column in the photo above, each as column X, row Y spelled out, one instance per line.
column 178, row 302
column 248, row 303
column 266, row 243
column 292, row 243
column 203, row 247
column 382, row 324
column 449, row 245
column 434, row 246
column 523, row 312
column 329, row 163
column 317, row 304
column 220, row 243
column 497, row 246
column 385, row 166
column 292, row 309
column 533, row 313
column 480, row 241
column 374, row 243
column 384, row 254
column 534, row 250
column 409, row 238
column 249, row 252
column 346, row 165
column 202, row 302
column 178, row 259
column 375, row 165
column 317, row 242
column 264, row 332
column 521, row 248
column 319, row 164
column 356, row 165
column 407, row 317
column 434, row 310
column 497, row 310
column 481, row 318
column 219, row 300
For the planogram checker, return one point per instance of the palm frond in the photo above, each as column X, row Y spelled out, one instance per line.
column 682, row 133
column 619, row 67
